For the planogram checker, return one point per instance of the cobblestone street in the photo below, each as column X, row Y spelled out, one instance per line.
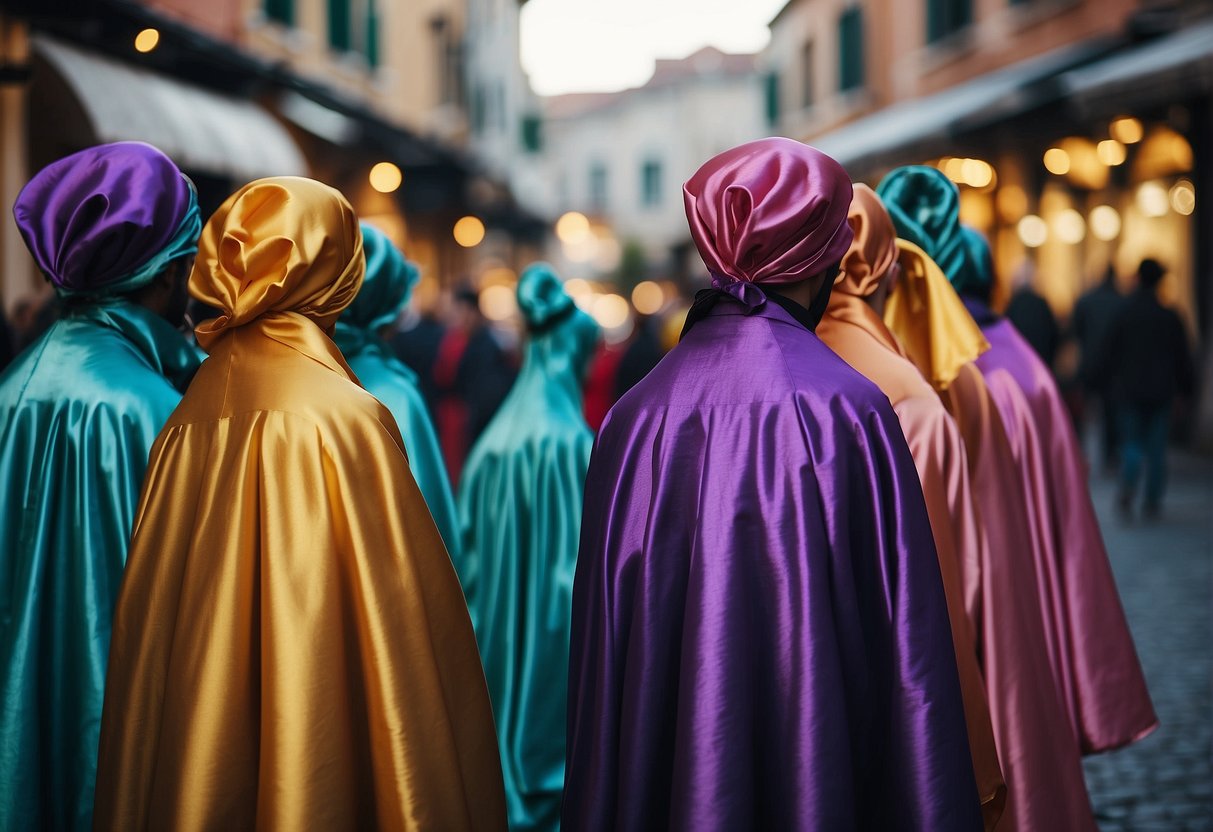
column 1165, row 782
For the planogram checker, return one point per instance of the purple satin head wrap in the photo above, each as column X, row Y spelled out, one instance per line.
column 93, row 219
column 771, row 211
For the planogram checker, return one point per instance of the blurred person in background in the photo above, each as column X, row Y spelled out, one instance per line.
column 641, row 353
column 7, row 342
column 1031, row 314
column 1090, row 324
column 1148, row 366
column 415, row 340
column 472, row 375
column 520, row 509
column 291, row 648
column 114, row 229
column 1094, row 662
column 385, row 291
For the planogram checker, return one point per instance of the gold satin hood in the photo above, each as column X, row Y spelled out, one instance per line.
column 274, row 246
column 930, row 320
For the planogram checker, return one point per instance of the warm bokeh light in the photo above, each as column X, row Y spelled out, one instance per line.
column 1033, row 231
column 497, row 302
column 1057, row 161
column 385, row 177
column 147, row 40
column 1012, row 202
column 1104, row 222
column 581, row 292
column 572, row 227
column 1152, row 199
column 498, row 276
column 1111, row 152
column 1126, row 129
column 648, row 297
column 1069, row 226
column 610, row 311
column 1183, row 197
column 469, row 231
column 977, row 173
column 953, row 169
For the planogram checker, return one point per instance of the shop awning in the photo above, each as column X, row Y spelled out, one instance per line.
column 201, row 130
column 919, row 126
column 1178, row 63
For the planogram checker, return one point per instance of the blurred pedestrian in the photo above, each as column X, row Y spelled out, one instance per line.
column 760, row 637
column 7, row 342
column 114, row 229
column 291, row 648
column 520, row 506
column 415, row 341
column 1032, row 316
column 853, row 328
column 1090, row 324
column 385, row 291
column 472, row 375
column 641, row 354
column 1094, row 663
column 1148, row 366
column 1040, row 757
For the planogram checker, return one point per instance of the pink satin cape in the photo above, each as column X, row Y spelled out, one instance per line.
column 1090, row 648
column 853, row 330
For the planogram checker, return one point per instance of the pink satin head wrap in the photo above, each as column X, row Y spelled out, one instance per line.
column 874, row 249
column 771, row 211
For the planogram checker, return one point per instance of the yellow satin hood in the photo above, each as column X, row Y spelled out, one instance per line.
column 929, row 319
column 284, row 244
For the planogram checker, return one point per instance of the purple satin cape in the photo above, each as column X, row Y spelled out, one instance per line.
column 759, row 636
column 1090, row 648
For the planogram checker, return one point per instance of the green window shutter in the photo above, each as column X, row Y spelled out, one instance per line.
column 340, row 35
column 650, row 183
column 945, row 17
column 850, row 49
column 370, row 47
column 280, row 11
column 532, row 133
column 598, row 186
column 772, row 97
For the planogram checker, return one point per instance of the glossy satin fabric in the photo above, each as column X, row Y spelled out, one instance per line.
column 385, row 290
column 1041, row 760
column 79, row 410
column 97, row 219
column 854, row 331
column 760, row 636
column 520, row 508
column 1090, row 648
column 769, row 211
column 929, row 320
column 291, row 647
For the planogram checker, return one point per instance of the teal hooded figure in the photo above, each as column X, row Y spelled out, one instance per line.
column 114, row 228
column 520, row 508
column 386, row 289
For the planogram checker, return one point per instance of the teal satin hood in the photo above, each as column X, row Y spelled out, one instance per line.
column 520, row 510
column 385, row 291
column 79, row 411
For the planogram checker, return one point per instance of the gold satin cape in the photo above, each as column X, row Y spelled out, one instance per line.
column 853, row 330
column 291, row 648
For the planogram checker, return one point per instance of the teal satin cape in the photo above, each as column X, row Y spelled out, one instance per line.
column 520, row 509
column 79, row 410
column 386, row 378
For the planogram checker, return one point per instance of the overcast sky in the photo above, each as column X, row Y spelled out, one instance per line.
column 607, row 45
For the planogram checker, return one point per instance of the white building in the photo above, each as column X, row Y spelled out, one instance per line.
column 621, row 158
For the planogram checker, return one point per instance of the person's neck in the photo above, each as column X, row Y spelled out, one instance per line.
column 878, row 299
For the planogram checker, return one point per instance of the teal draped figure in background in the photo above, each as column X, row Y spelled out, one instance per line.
column 114, row 228
column 520, row 510
column 385, row 291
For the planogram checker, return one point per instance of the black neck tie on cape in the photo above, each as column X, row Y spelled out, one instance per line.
column 808, row 317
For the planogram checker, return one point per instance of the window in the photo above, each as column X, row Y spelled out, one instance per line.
column 353, row 27
column 598, row 186
column 479, row 106
column 772, row 97
column 850, row 49
column 650, row 183
column 806, row 75
column 946, row 17
column 532, row 133
column 280, row 11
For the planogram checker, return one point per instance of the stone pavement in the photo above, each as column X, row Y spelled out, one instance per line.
column 1164, row 782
